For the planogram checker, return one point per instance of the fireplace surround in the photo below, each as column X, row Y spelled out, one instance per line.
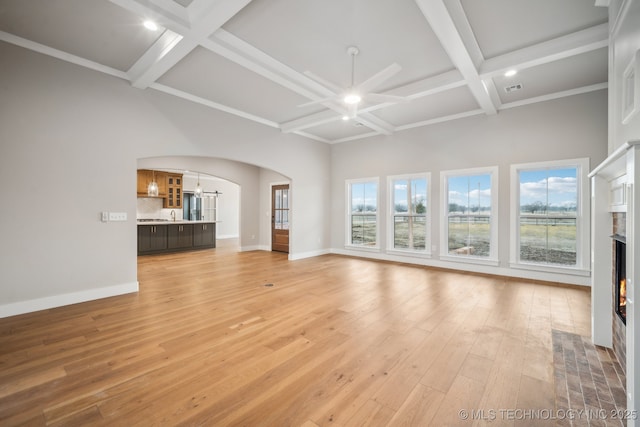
column 615, row 198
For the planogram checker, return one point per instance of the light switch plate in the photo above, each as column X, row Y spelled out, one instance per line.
column 117, row 216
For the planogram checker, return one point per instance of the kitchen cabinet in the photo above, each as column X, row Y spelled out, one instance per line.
column 173, row 200
column 165, row 236
column 152, row 238
column 145, row 176
column 204, row 235
column 179, row 236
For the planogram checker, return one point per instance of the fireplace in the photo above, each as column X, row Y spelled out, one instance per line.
column 620, row 277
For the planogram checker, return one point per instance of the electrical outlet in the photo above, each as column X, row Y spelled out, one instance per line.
column 104, row 216
column 117, row 216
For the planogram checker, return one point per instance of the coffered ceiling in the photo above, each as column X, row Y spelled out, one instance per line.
column 264, row 59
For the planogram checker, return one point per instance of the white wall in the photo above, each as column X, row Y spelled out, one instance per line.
column 624, row 22
column 624, row 44
column 566, row 128
column 70, row 143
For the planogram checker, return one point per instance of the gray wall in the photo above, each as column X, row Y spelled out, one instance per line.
column 70, row 143
column 567, row 128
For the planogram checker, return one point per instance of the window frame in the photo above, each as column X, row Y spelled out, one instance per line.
column 348, row 220
column 492, row 259
column 426, row 253
column 583, row 218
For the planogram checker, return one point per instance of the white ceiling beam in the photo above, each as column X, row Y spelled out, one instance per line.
column 309, row 121
column 441, row 119
column 150, row 67
column 64, row 56
column 214, row 105
column 144, row 71
column 355, row 137
column 555, row 95
column 242, row 53
column 158, row 14
column 493, row 92
column 451, row 40
column 374, row 123
column 429, row 86
column 553, row 50
column 173, row 8
column 257, row 61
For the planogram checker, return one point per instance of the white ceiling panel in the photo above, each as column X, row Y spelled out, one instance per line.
column 339, row 129
column 502, row 26
column 313, row 35
column 440, row 104
column 261, row 59
column 93, row 29
column 210, row 76
column 574, row 72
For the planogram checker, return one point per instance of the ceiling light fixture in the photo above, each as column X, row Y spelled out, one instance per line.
column 345, row 118
column 198, row 190
column 510, row 73
column 352, row 98
column 152, row 188
column 150, row 25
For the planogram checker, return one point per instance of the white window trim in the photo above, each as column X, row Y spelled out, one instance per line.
column 390, row 237
column 583, row 218
column 492, row 259
column 347, row 234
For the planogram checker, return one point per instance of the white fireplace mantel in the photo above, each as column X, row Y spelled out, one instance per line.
column 621, row 169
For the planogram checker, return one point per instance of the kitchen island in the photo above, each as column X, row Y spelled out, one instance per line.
column 160, row 236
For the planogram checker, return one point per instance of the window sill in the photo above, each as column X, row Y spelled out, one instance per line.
column 574, row 271
column 471, row 260
column 409, row 253
column 362, row 248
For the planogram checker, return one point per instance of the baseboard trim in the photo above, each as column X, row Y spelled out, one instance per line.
column 472, row 268
column 29, row 306
column 296, row 256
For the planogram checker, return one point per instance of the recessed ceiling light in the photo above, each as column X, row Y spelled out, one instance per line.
column 345, row 118
column 511, row 73
column 150, row 25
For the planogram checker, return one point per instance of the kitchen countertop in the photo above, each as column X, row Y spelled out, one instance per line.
column 168, row 222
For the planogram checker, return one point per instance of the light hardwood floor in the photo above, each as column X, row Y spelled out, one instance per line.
column 335, row 341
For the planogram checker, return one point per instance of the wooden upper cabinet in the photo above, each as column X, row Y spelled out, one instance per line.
column 174, row 191
column 145, row 176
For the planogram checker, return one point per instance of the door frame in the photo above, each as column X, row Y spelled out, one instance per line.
column 271, row 223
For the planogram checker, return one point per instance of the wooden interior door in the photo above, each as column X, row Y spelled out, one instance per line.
column 280, row 218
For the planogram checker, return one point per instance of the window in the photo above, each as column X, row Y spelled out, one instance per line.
column 549, row 213
column 362, row 223
column 409, row 220
column 470, row 208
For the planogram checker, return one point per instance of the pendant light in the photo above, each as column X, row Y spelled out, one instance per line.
column 152, row 189
column 198, row 190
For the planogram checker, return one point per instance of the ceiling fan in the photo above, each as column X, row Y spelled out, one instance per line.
column 355, row 94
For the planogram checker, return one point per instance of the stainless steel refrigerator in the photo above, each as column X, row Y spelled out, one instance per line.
column 203, row 208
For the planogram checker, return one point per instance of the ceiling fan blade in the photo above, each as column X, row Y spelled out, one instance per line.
column 319, row 101
column 380, row 97
column 377, row 79
column 331, row 86
column 352, row 111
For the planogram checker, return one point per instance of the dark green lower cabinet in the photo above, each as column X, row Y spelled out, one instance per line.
column 175, row 237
